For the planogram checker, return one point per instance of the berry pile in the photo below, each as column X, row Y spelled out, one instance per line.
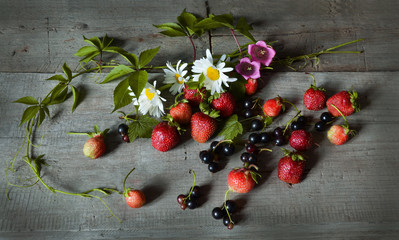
column 215, row 151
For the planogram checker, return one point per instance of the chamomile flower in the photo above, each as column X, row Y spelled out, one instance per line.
column 175, row 76
column 150, row 101
column 214, row 74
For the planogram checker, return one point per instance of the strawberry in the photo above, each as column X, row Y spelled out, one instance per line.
column 95, row 146
column 251, row 86
column 241, row 180
column 345, row 101
column 291, row 167
column 225, row 104
column 338, row 134
column 134, row 198
column 314, row 98
column 164, row 137
column 193, row 96
column 181, row 113
column 301, row 140
column 202, row 127
column 272, row 107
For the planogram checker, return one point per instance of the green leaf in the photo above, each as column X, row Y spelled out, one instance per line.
column 117, row 72
column 187, row 19
column 231, row 128
column 75, row 94
column 89, row 57
column 137, row 81
column 114, row 49
column 171, row 29
column 86, row 50
column 173, row 33
column 57, row 78
column 67, row 71
column 207, row 24
column 132, row 58
column 29, row 114
column 42, row 116
column 59, row 94
column 237, row 88
column 121, row 95
column 243, row 27
column 95, row 41
column 106, row 41
column 28, row 100
column 142, row 128
column 225, row 19
column 45, row 109
column 146, row 56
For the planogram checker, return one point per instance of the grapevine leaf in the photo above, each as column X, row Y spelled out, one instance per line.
column 137, row 81
column 171, row 29
column 28, row 100
column 146, row 56
column 75, row 94
column 57, row 78
column 173, row 33
column 89, row 57
column 224, row 19
column 121, row 94
column 67, row 71
column 86, row 50
column 142, row 128
column 29, row 113
column 232, row 128
column 243, row 27
column 117, row 72
column 42, row 116
column 106, row 41
column 208, row 23
column 187, row 19
column 58, row 94
column 131, row 58
column 95, row 41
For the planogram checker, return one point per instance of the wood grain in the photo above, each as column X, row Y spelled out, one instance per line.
column 349, row 191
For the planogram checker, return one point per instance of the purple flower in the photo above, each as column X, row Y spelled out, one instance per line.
column 248, row 69
column 262, row 53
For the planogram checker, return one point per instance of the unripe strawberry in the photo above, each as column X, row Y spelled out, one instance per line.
column 338, row 134
column 135, row 198
column 94, row 147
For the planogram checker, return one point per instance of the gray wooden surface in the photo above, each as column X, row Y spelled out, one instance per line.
column 349, row 191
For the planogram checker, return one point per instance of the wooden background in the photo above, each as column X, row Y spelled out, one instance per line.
column 350, row 191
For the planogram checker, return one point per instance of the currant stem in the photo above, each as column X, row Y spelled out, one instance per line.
column 346, row 122
column 226, row 197
column 292, row 119
column 191, row 189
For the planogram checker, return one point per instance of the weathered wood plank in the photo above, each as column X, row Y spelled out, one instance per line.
column 349, row 191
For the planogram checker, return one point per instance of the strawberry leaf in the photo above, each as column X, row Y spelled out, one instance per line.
column 232, row 128
column 142, row 127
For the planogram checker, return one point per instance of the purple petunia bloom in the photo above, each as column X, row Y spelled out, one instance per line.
column 262, row 53
column 248, row 69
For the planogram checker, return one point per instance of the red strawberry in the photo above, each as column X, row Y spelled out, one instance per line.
column 314, row 98
column 272, row 107
column 226, row 104
column 301, row 140
column 241, row 180
column 202, row 127
column 181, row 113
column 251, row 86
column 345, row 101
column 94, row 147
column 291, row 167
column 193, row 96
column 164, row 137
column 134, row 198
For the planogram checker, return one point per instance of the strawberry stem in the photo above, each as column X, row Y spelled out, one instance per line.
column 125, row 191
column 346, row 122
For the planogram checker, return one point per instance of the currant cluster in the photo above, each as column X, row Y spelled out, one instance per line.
column 249, row 112
column 326, row 119
column 216, row 149
column 224, row 212
column 299, row 123
column 189, row 200
column 123, row 130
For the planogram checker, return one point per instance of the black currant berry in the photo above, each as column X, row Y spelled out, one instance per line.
column 196, row 193
column 326, row 117
column 126, row 138
column 301, row 119
column 256, row 125
column 252, row 158
column 191, row 203
column 244, row 157
column 251, row 148
column 320, row 126
column 218, row 213
column 228, row 149
column 231, row 206
column 206, row 156
column 213, row 167
column 278, row 132
column 216, row 147
column 123, row 129
column 226, row 220
column 248, row 103
column 296, row 125
column 279, row 141
column 265, row 137
column 180, row 198
column 254, row 138
column 248, row 113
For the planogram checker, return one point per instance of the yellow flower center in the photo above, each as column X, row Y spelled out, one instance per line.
column 149, row 94
column 179, row 79
column 212, row 73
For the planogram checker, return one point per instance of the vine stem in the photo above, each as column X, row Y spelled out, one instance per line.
column 235, row 39
column 195, row 50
